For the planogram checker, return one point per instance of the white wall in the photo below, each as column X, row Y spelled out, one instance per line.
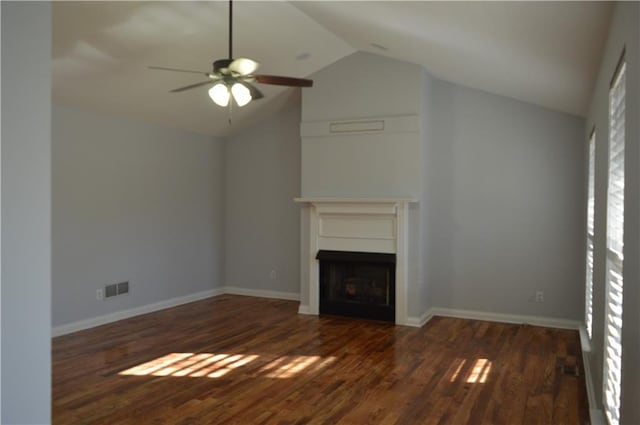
column 362, row 85
column 132, row 202
column 26, row 213
column 384, row 165
column 624, row 32
column 504, row 205
column 262, row 172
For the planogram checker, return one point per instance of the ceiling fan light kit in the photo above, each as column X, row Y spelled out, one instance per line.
column 232, row 78
column 241, row 94
column 219, row 94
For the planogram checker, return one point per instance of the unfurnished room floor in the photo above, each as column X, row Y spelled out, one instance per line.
column 233, row 359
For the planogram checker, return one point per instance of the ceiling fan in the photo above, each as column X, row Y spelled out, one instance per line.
column 233, row 78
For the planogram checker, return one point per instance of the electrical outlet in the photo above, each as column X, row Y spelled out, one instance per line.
column 273, row 274
column 99, row 294
column 539, row 296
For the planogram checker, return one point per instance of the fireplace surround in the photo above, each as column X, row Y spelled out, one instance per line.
column 354, row 225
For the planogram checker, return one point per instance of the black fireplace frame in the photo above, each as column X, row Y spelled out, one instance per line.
column 364, row 311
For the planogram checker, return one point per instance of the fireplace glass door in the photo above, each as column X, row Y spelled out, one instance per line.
column 357, row 284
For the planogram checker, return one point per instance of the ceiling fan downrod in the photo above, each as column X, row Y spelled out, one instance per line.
column 230, row 29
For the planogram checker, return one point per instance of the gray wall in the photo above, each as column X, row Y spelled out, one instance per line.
column 132, row 202
column 500, row 187
column 262, row 169
column 624, row 31
column 504, row 205
column 427, row 226
column 26, row 213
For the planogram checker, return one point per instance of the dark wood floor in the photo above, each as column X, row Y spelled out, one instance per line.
column 243, row 360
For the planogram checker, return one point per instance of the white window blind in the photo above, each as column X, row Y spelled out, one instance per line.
column 588, row 308
column 615, row 234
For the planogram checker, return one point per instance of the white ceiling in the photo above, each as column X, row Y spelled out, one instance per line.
column 546, row 53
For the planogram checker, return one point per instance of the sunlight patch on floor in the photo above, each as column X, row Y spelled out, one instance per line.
column 212, row 365
column 478, row 374
column 289, row 366
column 460, row 363
column 480, row 371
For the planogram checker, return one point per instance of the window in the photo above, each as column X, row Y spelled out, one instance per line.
column 588, row 308
column 615, row 233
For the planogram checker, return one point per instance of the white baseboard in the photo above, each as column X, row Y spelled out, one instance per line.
column 304, row 309
column 234, row 290
column 149, row 308
column 548, row 322
column 595, row 415
column 418, row 322
column 125, row 314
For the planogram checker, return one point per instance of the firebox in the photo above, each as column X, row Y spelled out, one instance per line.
column 357, row 284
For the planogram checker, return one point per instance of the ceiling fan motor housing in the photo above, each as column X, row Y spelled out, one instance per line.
column 221, row 66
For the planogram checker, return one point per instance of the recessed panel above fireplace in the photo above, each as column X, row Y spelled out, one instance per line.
column 357, row 284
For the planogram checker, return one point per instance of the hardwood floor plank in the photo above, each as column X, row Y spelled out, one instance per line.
column 233, row 359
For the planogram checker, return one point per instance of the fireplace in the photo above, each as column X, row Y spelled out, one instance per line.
column 357, row 284
column 371, row 229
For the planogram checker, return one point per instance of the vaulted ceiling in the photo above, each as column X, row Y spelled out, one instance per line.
column 546, row 53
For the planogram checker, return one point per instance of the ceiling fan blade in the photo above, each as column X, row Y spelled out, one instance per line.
column 192, row 86
column 162, row 68
column 255, row 93
column 283, row 81
column 243, row 66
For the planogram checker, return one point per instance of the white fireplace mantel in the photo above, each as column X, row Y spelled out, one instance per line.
column 357, row 224
column 325, row 200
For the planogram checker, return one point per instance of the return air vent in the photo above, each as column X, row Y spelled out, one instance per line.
column 571, row 370
column 116, row 289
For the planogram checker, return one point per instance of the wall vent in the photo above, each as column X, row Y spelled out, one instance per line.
column 571, row 370
column 356, row 126
column 116, row 289
column 123, row 288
